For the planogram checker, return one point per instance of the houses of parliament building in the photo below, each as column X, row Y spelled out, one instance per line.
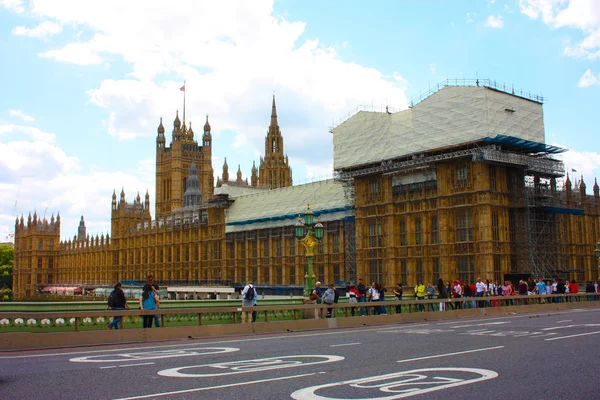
column 459, row 185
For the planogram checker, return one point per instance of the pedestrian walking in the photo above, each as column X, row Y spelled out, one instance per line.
column 248, row 294
column 117, row 301
column 149, row 300
column 153, row 283
column 442, row 294
column 361, row 296
column 329, row 299
column 315, row 298
column 352, row 298
column 398, row 293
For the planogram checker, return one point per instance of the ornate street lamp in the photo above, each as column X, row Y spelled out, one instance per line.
column 309, row 235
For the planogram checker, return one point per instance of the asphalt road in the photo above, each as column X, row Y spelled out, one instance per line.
column 537, row 356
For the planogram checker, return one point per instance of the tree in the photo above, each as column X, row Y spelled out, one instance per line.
column 7, row 254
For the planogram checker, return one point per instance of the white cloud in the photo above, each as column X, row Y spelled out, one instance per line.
column 21, row 115
column 469, row 18
column 432, row 69
column 16, row 6
column 232, row 61
column 36, row 174
column 494, row 21
column 583, row 15
column 586, row 163
column 75, row 53
column 588, row 79
column 46, row 28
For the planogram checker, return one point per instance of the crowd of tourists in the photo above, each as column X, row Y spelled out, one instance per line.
column 477, row 294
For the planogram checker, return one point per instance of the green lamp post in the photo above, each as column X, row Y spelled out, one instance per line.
column 309, row 235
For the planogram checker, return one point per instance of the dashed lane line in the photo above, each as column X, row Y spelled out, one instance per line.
column 449, row 354
column 572, row 336
column 147, row 396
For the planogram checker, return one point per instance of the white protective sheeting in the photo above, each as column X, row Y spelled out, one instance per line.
column 265, row 209
column 451, row 116
column 237, row 191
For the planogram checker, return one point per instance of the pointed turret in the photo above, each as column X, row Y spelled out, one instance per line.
column 160, row 138
column 114, row 200
column 239, row 175
column 274, row 114
column 176, row 128
column 138, row 198
column 147, row 201
column 190, row 133
column 81, row 230
column 225, row 177
column 207, row 137
column 596, row 188
column 122, row 200
column 254, row 176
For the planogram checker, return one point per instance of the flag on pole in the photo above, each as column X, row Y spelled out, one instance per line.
column 182, row 88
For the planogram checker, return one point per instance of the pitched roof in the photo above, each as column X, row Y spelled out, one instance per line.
column 281, row 207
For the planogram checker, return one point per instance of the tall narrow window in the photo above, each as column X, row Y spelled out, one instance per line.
column 404, row 272
column 497, row 268
column 462, row 176
column 434, row 230
column 464, row 226
column 495, row 228
column 336, row 242
column 420, row 271
column 274, row 146
column 402, row 232
column 436, row 270
column 466, row 269
column 418, row 231
column 492, row 178
column 374, row 190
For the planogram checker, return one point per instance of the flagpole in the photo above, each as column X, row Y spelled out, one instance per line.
column 183, row 101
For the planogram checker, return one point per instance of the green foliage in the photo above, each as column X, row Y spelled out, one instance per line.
column 6, row 270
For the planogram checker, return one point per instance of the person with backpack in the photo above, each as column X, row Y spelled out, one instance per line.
column 329, row 299
column 361, row 295
column 248, row 294
column 116, row 301
column 149, row 301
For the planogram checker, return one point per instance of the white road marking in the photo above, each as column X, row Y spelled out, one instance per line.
column 135, row 365
column 571, row 336
column 344, row 344
column 154, row 355
column 248, row 340
column 214, row 387
column 450, row 354
column 284, row 336
column 247, row 366
column 480, row 324
column 398, row 385
column 564, row 320
column 570, row 326
column 125, row 366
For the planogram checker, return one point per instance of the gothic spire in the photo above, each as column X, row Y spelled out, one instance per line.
column 274, row 114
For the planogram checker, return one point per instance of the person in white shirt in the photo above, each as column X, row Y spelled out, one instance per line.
column 481, row 289
column 374, row 296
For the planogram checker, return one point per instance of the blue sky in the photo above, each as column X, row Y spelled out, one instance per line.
column 85, row 83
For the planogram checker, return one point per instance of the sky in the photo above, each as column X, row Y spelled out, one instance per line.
column 83, row 84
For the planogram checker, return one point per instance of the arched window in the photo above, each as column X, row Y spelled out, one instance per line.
column 274, row 146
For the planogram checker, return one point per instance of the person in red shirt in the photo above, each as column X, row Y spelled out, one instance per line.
column 574, row 289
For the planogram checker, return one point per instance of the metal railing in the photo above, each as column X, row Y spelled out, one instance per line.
column 64, row 321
